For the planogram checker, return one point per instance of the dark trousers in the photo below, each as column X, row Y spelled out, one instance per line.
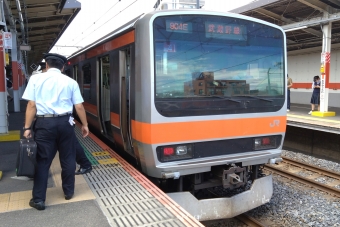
column 51, row 135
column 288, row 99
column 81, row 158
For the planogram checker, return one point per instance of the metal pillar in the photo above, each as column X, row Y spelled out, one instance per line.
column 20, row 79
column 198, row 4
column 325, row 66
column 3, row 94
column 15, row 73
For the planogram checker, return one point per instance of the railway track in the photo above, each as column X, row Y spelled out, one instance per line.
column 307, row 174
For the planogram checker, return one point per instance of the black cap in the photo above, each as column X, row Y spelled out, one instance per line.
column 42, row 65
column 56, row 57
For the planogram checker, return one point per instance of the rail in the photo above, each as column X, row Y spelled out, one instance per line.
column 290, row 168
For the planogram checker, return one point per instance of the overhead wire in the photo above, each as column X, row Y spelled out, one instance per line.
column 100, row 17
column 108, row 21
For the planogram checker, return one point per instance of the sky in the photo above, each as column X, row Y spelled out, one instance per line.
column 100, row 17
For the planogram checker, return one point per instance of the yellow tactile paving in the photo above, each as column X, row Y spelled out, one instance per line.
column 18, row 205
column 55, row 196
column 3, row 207
column 313, row 118
column 108, row 161
column 15, row 196
column 4, row 197
column 4, row 200
column 101, row 153
column 56, row 171
column 10, row 136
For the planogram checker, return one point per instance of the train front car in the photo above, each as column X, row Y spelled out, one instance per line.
column 210, row 105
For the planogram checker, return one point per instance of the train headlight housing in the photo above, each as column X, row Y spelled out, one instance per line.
column 175, row 152
column 262, row 143
column 181, row 150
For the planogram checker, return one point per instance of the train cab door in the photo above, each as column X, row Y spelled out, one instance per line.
column 104, row 95
column 76, row 78
column 124, row 75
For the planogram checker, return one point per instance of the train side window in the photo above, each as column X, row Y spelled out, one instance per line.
column 87, row 82
column 104, row 69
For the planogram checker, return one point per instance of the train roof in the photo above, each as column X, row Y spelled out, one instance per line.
column 126, row 27
column 130, row 25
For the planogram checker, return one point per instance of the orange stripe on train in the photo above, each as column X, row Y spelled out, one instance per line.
column 112, row 44
column 115, row 119
column 205, row 130
column 90, row 108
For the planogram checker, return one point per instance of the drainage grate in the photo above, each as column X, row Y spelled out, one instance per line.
column 123, row 200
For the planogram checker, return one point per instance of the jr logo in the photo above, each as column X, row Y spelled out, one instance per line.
column 275, row 123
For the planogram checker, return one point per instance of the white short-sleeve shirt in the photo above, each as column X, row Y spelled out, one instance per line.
column 53, row 92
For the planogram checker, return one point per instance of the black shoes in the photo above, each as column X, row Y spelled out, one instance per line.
column 68, row 197
column 83, row 170
column 39, row 205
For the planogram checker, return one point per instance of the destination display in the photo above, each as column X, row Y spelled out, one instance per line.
column 225, row 31
column 178, row 26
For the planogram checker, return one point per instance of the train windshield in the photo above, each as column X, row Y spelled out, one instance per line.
column 217, row 65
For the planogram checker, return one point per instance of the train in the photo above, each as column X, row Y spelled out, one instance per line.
column 196, row 97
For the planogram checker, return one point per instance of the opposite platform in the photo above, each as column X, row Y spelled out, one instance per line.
column 299, row 117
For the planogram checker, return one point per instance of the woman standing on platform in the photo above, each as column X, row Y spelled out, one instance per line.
column 315, row 100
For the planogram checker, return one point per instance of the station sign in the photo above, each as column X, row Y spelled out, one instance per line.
column 225, row 31
column 178, row 26
column 325, row 61
column 323, row 93
column 7, row 40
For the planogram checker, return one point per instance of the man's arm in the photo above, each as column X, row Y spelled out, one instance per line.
column 290, row 83
column 31, row 110
column 82, row 115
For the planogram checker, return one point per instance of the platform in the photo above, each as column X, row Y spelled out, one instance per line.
column 113, row 194
column 299, row 117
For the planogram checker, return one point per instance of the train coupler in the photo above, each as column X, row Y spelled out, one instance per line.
column 234, row 177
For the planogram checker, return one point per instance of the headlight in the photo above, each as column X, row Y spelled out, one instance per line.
column 181, row 150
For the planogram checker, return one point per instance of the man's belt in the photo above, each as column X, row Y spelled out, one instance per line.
column 54, row 115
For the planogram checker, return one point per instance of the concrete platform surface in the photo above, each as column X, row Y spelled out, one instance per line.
column 82, row 214
column 298, row 116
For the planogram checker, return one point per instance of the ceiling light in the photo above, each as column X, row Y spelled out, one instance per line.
column 293, row 29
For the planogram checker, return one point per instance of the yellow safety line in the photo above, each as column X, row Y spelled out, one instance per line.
column 10, row 136
column 312, row 118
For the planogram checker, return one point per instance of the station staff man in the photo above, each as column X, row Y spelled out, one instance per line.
column 51, row 97
column 81, row 159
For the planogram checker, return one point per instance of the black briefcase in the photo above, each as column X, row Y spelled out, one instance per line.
column 26, row 159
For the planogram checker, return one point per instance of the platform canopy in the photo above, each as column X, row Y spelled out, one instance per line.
column 301, row 19
column 39, row 23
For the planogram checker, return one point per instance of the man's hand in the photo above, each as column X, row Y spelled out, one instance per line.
column 85, row 131
column 28, row 134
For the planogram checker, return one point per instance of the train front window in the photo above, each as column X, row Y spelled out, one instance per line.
column 217, row 65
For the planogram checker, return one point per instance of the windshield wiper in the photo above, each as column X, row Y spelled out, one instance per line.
column 224, row 98
column 255, row 97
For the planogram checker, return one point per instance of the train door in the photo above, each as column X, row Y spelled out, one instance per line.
column 104, row 95
column 75, row 73
column 124, row 75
